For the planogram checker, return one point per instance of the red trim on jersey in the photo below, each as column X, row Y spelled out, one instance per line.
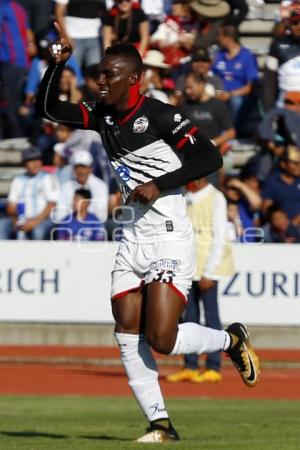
column 186, row 138
column 139, row 103
column 122, row 294
column 178, row 292
column 85, row 115
column 134, row 94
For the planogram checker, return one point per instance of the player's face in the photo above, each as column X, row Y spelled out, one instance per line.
column 114, row 81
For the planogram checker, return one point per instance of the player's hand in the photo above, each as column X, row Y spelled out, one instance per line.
column 205, row 284
column 62, row 49
column 144, row 193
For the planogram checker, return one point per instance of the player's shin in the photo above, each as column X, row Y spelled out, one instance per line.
column 194, row 338
column 142, row 375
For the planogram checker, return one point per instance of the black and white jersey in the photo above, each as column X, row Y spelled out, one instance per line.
column 149, row 142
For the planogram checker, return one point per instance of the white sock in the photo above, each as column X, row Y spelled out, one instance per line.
column 142, row 374
column 194, row 338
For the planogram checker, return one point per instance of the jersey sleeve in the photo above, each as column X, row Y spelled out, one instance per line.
column 200, row 156
column 49, row 106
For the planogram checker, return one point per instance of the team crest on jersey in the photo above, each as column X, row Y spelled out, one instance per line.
column 140, row 125
column 108, row 120
column 177, row 118
column 123, row 172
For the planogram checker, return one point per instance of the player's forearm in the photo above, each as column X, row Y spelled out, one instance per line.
column 198, row 163
column 48, row 104
column 47, row 98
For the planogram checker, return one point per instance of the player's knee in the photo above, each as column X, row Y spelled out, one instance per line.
column 160, row 342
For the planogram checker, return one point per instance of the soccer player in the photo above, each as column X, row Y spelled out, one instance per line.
column 154, row 151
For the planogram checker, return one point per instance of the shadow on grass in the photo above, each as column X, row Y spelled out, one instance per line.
column 104, row 437
column 32, row 434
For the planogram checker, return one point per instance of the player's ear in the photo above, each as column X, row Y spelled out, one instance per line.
column 133, row 79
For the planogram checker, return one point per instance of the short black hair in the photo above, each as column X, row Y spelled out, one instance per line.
column 92, row 71
column 84, row 193
column 230, row 31
column 129, row 52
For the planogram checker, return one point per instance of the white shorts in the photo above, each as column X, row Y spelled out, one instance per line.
column 171, row 262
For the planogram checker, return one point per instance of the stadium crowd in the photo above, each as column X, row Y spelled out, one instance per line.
column 193, row 58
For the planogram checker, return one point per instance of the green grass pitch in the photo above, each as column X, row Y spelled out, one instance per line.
column 70, row 422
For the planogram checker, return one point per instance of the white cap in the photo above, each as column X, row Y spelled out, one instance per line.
column 82, row 158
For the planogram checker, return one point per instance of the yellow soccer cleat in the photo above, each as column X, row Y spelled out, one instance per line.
column 158, row 434
column 183, row 375
column 242, row 354
column 208, row 376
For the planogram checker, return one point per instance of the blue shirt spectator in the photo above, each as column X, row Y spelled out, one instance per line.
column 13, row 33
column 237, row 68
column 235, row 72
column 287, row 196
column 81, row 225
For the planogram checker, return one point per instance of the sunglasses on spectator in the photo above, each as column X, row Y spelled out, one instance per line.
column 290, row 102
column 123, row 1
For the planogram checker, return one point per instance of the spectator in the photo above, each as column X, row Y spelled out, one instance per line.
column 153, row 81
column 238, row 12
column 90, row 89
column 81, row 225
column 202, row 63
column 31, row 198
column 208, row 212
column 16, row 47
column 234, row 224
column 176, row 35
column 64, row 171
column 282, row 68
column 279, row 127
column 211, row 15
column 211, row 115
column 39, row 13
column 154, row 10
column 83, row 178
column 283, row 187
column 80, row 20
column 244, row 214
column 69, row 90
column 126, row 22
column 279, row 230
column 237, row 68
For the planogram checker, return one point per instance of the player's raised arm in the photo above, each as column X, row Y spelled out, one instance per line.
column 48, row 104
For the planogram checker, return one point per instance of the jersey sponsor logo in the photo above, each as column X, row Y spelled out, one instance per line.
column 166, row 264
column 123, row 172
column 108, row 120
column 177, row 118
column 181, row 125
column 140, row 125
